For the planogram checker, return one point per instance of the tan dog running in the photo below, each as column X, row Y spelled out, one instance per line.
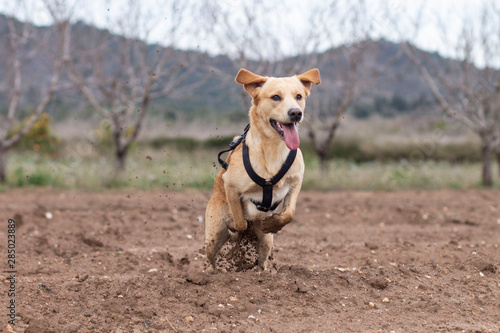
column 277, row 108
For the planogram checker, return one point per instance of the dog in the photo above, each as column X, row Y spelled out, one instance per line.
column 277, row 109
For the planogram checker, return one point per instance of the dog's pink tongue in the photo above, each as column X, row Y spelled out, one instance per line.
column 291, row 136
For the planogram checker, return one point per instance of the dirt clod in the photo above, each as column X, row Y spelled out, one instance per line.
column 480, row 261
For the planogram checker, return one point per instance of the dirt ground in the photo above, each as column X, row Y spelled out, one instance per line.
column 132, row 261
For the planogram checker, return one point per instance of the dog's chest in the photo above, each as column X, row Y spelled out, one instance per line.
column 249, row 199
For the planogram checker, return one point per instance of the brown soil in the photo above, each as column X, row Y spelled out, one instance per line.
column 351, row 261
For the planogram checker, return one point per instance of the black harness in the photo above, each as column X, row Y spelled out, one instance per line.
column 266, row 184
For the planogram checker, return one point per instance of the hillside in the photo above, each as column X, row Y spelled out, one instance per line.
column 399, row 88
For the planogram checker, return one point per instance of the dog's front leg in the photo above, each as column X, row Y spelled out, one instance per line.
column 238, row 223
column 276, row 222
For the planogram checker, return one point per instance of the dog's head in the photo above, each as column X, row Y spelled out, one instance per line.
column 278, row 103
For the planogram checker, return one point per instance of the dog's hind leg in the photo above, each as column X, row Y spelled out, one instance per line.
column 216, row 232
column 265, row 245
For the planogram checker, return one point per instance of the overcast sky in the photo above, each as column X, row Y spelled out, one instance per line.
column 380, row 13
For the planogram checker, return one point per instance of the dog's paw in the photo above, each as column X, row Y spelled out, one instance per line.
column 272, row 224
column 235, row 228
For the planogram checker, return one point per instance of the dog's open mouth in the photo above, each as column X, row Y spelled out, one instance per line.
column 288, row 133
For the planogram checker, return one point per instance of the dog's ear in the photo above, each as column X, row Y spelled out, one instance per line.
column 309, row 77
column 250, row 80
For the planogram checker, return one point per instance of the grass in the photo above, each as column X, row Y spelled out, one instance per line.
column 392, row 176
column 194, row 167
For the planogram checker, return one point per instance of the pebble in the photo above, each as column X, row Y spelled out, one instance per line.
column 385, row 300
column 152, row 270
column 189, row 319
column 371, row 304
column 233, row 298
column 48, row 215
column 252, row 317
column 189, row 236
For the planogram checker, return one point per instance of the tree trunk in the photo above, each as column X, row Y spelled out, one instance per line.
column 487, row 158
column 3, row 165
column 323, row 161
column 322, row 146
column 498, row 158
column 121, row 158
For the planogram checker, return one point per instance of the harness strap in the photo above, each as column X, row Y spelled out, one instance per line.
column 232, row 146
column 266, row 184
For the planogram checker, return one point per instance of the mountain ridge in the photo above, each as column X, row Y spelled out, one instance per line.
column 399, row 85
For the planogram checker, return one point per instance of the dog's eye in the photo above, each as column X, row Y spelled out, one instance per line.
column 298, row 97
column 276, row 98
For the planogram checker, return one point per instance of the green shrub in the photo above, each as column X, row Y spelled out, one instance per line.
column 219, row 142
column 182, row 143
column 37, row 178
column 40, row 178
column 20, row 177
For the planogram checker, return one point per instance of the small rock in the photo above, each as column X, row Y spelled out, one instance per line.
column 200, row 219
column 197, row 278
column 480, row 261
column 371, row 305
column 233, row 298
column 252, row 317
column 189, row 319
column 385, row 300
column 189, row 236
column 152, row 270
column 120, row 296
column 48, row 215
column 83, row 277
column 378, row 283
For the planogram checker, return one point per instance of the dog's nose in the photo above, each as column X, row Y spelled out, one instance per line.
column 295, row 114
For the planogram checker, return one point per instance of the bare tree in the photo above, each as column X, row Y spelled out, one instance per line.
column 328, row 108
column 465, row 92
column 22, row 43
column 355, row 65
column 119, row 75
